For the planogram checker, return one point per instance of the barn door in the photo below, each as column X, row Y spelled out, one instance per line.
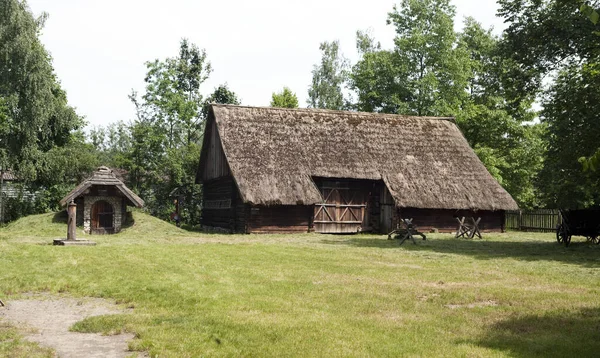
column 343, row 208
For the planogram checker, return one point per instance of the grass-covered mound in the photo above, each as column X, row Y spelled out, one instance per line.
column 44, row 227
column 195, row 295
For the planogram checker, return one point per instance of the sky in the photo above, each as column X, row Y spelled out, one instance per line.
column 99, row 48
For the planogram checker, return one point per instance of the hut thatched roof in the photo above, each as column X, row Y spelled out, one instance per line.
column 425, row 162
column 105, row 177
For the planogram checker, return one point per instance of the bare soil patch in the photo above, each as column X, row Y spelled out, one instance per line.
column 46, row 319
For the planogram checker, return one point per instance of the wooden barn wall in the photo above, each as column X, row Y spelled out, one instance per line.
column 217, row 203
column 387, row 219
column 279, row 219
column 215, row 164
column 445, row 220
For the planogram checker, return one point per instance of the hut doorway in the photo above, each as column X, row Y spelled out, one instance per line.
column 102, row 217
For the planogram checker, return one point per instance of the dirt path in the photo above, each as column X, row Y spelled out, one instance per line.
column 46, row 320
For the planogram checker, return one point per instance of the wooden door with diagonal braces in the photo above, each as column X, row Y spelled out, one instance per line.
column 343, row 207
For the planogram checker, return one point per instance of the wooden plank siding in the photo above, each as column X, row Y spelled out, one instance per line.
column 215, row 166
column 217, row 203
column 388, row 218
column 444, row 220
column 280, row 219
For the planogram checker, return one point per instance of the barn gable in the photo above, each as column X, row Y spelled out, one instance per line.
column 273, row 154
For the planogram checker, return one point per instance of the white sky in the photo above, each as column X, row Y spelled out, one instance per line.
column 257, row 47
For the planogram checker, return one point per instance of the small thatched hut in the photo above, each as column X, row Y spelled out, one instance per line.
column 102, row 201
column 298, row 170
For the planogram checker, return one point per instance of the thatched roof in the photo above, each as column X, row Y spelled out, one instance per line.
column 425, row 162
column 105, row 177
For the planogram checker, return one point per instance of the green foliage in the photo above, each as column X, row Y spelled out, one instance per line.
column 571, row 108
column 544, row 36
column 433, row 70
column 589, row 11
column 39, row 142
column 160, row 150
column 222, row 95
column 329, row 78
column 284, row 99
column 172, row 100
column 34, row 115
column 512, row 152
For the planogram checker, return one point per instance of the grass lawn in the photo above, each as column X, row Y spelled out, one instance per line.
column 193, row 294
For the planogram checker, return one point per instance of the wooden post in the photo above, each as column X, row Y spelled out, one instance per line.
column 2, row 195
column 71, row 223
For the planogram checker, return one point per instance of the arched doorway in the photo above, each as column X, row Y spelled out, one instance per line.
column 102, row 217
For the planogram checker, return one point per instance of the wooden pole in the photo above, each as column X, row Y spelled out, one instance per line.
column 2, row 195
column 72, row 211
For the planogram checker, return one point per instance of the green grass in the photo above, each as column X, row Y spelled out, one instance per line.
column 194, row 294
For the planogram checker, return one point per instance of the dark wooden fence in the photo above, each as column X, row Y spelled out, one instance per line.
column 540, row 220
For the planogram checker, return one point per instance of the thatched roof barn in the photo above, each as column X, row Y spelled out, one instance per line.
column 291, row 158
column 102, row 202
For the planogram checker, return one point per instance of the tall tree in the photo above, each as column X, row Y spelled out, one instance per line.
column 172, row 99
column 284, row 99
column 34, row 114
column 374, row 78
column 511, row 151
column 434, row 73
column 571, row 108
column 329, row 77
column 425, row 73
column 543, row 36
column 552, row 41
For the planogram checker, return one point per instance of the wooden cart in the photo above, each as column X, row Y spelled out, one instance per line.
column 582, row 222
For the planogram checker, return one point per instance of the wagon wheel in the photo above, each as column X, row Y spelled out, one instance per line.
column 594, row 240
column 559, row 230
column 562, row 234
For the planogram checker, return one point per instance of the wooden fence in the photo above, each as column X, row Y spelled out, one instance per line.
column 541, row 220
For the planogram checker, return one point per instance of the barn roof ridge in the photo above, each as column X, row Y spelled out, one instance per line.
column 338, row 111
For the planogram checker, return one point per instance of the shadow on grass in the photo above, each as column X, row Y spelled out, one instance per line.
column 60, row 217
column 557, row 334
column 579, row 252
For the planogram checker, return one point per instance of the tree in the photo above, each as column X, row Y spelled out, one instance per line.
column 163, row 150
column 425, row 73
column 34, row 114
column 284, row 99
column 510, row 150
column 571, row 108
column 374, row 78
column 556, row 40
column 328, row 78
column 223, row 95
column 543, row 37
column 172, row 99
column 434, row 73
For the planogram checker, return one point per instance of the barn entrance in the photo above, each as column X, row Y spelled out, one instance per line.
column 102, row 218
column 344, row 205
